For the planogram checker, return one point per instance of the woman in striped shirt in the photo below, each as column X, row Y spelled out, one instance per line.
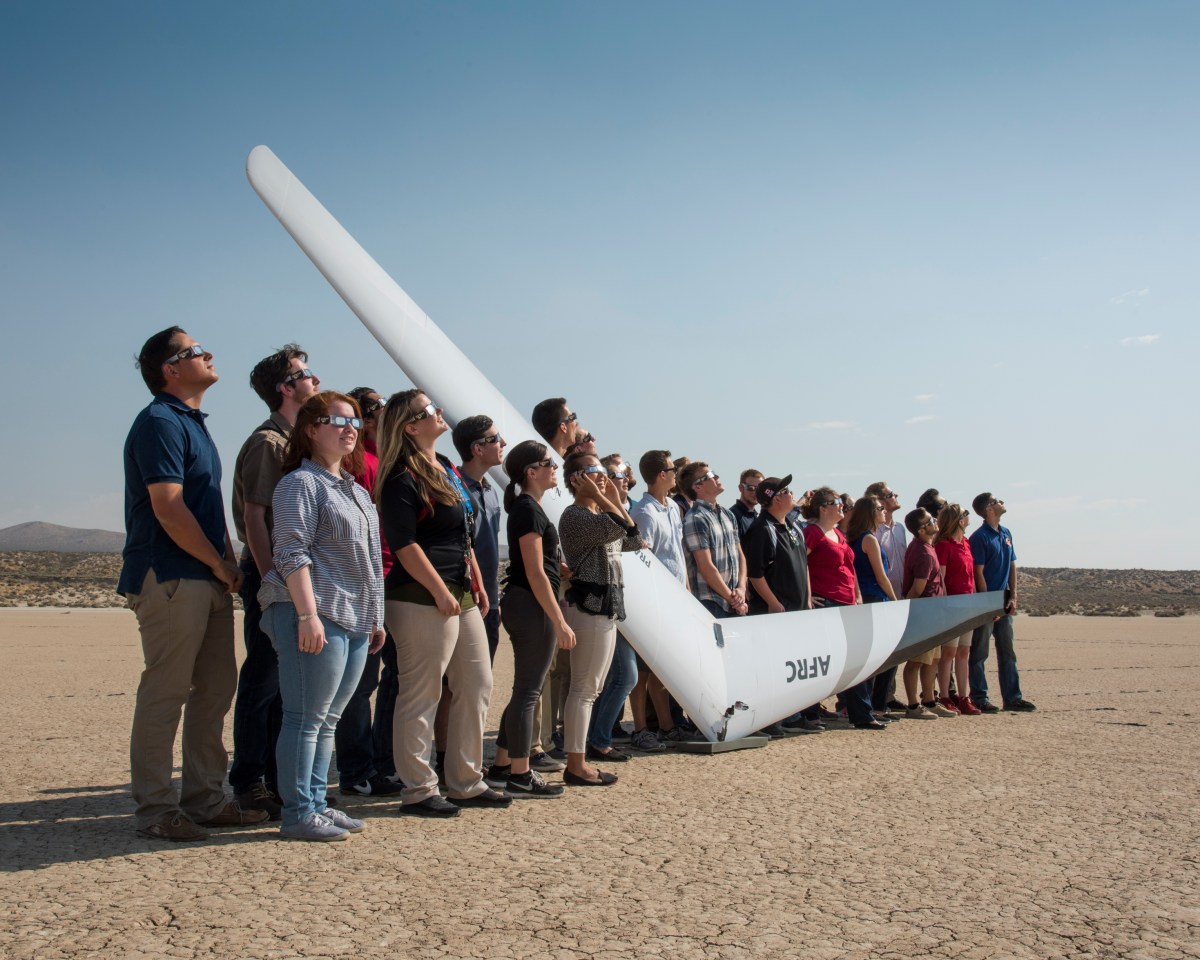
column 322, row 604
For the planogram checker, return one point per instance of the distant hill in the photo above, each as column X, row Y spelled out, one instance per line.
column 52, row 538
column 78, row 579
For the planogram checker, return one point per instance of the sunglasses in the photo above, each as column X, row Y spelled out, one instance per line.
column 195, row 350
column 593, row 469
column 570, row 419
column 751, row 487
column 340, row 422
column 621, row 475
column 496, row 439
column 543, row 463
column 430, row 410
column 295, row 375
column 831, row 503
column 709, row 476
column 372, row 405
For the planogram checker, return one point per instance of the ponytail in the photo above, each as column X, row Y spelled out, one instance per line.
column 510, row 495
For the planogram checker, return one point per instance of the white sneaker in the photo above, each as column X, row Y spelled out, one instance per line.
column 314, row 827
column 941, row 710
column 339, row 819
column 919, row 712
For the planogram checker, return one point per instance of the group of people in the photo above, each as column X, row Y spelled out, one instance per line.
column 371, row 569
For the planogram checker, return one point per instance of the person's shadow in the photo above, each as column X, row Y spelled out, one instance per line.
column 80, row 823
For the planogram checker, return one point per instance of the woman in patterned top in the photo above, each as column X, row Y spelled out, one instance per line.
column 435, row 604
column 322, row 604
column 594, row 530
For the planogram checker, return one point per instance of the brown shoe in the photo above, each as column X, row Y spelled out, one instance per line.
column 173, row 826
column 233, row 815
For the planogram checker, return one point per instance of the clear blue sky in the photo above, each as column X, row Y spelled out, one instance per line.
column 938, row 244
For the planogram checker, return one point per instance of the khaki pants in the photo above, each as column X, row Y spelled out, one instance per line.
column 187, row 645
column 429, row 645
column 595, row 640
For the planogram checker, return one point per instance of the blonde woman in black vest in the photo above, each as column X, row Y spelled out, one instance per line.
column 434, row 608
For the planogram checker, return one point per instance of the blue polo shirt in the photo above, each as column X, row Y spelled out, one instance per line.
column 168, row 443
column 993, row 550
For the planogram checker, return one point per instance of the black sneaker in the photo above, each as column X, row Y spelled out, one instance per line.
column 375, row 786
column 497, row 775
column 544, row 763
column 1020, row 706
column 619, row 733
column 260, row 797
column 435, row 806
column 986, row 706
column 773, row 731
column 896, row 705
column 489, row 798
column 531, row 786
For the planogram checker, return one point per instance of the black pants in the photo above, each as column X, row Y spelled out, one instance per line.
column 533, row 644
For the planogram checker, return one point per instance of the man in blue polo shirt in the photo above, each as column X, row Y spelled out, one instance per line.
column 178, row 576
column 995, row 562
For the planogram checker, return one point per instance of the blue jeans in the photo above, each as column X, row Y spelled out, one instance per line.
column 1006, row 661
column 315, row 688
column 622, row 678
column 256, row 711
column 364, row 746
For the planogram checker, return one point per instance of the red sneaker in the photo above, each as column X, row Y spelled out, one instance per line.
column 949, row 704
column 966, row 707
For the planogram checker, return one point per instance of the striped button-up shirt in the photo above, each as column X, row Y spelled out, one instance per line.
column 328, row 524
column 711, row 527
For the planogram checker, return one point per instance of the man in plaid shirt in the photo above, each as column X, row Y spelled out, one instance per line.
column 716, row 564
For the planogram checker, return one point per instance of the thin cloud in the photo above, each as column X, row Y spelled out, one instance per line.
column 1131, row 295
column 1025, row 483
column 925, row 397
column 924, row 418
column 1117, row 503
column 1143, row 341
column 829, row 425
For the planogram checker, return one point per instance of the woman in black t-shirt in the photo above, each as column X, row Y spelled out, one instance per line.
column 531, row 615
column 434, row 608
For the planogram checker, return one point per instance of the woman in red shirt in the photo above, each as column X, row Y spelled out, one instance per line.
column 958, row 573
column 831, row 572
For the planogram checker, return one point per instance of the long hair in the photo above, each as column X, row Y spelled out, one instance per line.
column 948, row 518
column 398, row 452
column 520, row 458
column 300, row 445
column 862, row 517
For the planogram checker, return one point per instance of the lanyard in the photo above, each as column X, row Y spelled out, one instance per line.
column 468, row 507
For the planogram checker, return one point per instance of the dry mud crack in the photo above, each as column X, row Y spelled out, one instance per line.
column 1068, row 833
